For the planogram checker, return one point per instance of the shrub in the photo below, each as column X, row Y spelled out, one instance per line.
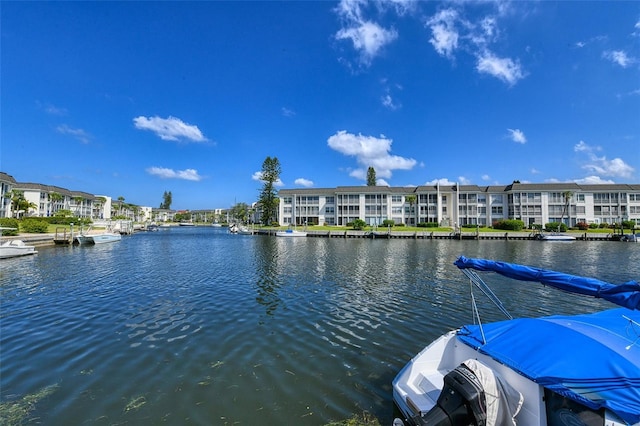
column 8, row 222
column 428, row 225
column 61, row 220
column 509, row 224
column 604, row 225
column 388, row 222
column 583, row 226
column 35, row 226
column 555, row 226
column 400, row 224
column 628, row 224
column 359, row 224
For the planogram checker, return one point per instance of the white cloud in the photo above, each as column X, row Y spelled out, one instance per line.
column 304, row 182
column 388, row 102
column 288, row 112
column 463, row 180
column 504, row 69
column 169, row 129
column 51, row 109
column 616, row 167
column 382, row 182
column 79, row 134
column 600, row 165
column 441, row 182
column 517, row 136
column 444, row 35
column 618, row 57
column 593, row 180
column 583, row 147
column 369, row 151
column 258, row 176
column 486, row 177
column 164, row 173
column 367, row 37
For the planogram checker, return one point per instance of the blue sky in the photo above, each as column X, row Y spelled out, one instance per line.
column 133, row 99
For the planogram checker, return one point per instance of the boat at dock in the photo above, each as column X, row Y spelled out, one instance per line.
column 562, row 369
column 556, row 236
column 291, row 233
column 15, row 248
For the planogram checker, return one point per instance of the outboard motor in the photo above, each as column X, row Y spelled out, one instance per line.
column 461, row 402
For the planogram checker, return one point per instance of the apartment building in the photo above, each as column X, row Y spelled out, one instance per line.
column 458, row 205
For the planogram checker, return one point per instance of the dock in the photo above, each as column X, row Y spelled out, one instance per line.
column 433, row 235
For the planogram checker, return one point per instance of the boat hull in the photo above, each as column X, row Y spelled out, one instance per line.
column 291, row 233
column 15, row 248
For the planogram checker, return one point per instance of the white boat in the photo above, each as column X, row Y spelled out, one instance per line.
column 105, row 237
column 557, row 237
column 291, row 233
column 187, row 224
column 243, row 230
column 555, row 370
column 15, row 248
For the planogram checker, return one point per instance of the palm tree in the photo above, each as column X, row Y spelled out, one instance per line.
column 411, row 199
column 567, row 198
column 78, row 201
column 17, row 199
column 55, row 198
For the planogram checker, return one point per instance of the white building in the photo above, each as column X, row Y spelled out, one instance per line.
column 457, row 205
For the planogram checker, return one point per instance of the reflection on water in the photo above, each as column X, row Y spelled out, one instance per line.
column 199, row 326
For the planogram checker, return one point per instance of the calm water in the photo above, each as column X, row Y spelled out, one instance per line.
column 196, row 326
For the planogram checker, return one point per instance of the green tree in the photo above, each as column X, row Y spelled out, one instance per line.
column 167, row 199
column 268, row 195
column 240, row 212
column 371, row 176
column 55, row 199
column 78, row 201
column 567, row 199
column 359, row 224
column 18, row 202
column 411, row 199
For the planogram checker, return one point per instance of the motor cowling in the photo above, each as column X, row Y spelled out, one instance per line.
column 461, row 402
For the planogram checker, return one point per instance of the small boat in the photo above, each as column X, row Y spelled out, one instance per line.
column 243, row 230
column 630, row 238
column 187, row 224
column 291, row 233
column 557, row 237
column 554, row 370
column 105, row 237
column 15, row 248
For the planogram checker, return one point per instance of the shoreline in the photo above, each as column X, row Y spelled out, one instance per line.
column 49, row 238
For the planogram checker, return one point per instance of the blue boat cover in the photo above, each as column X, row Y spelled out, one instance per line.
column 593, row 359
column 626, row 295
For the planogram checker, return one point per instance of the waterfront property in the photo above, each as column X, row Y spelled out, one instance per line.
column 194, row 325
column 459, row 205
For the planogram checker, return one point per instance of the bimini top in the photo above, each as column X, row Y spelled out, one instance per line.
column 626, row 295
column 593, row 359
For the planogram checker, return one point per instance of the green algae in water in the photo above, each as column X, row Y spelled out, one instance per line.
column 364, row 419
column 16, row 412
column 135, row 403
